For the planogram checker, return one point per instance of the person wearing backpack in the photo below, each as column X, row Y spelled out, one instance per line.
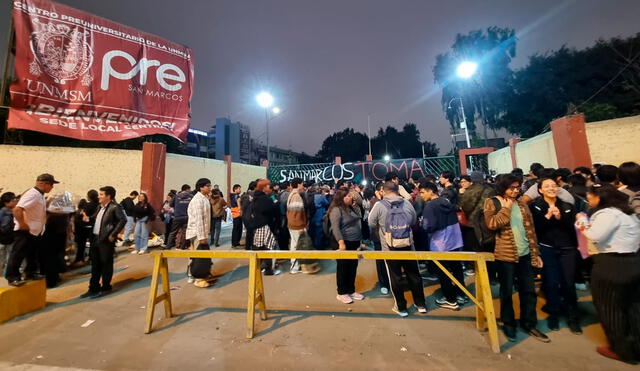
column 629, row 176
column 440, row 222
column 394, row 216
column 516, row 255
column 345, row 234
column 8, row 201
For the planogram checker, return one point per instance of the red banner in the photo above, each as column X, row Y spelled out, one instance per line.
column 85, row 77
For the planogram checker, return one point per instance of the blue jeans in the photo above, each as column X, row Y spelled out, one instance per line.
column 216, row 226
column 128, row 228
column 141, row 234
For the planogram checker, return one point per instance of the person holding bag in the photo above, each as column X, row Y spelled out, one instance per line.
column 614, row 231
column 346, row 234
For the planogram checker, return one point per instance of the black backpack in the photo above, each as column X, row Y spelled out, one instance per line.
column 248, row 212
column 486, row 237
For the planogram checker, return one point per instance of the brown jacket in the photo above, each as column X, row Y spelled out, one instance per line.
column 217, row 207
column 499, row 221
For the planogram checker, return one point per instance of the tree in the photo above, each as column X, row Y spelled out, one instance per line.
column 348, row 144
column 484, row 95
column 602, row 81
column 352, row 146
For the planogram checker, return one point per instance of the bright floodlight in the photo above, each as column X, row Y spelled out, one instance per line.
column 467, row 69
column 265, row 100
column 275, row 110
column 364, row 182
column 387, row 157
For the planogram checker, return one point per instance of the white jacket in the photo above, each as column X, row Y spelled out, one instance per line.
column 613, row 231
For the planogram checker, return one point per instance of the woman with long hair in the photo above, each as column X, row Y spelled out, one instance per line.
column 143, row 213
column 614, row 231
column 345, row 234
column 516, row 255
column 553, row 220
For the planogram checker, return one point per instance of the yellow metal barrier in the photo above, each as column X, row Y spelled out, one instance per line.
column 485, row 314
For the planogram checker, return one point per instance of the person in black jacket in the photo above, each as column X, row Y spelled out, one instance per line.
column 143, row 213
column 261, row 216
column 127, row 206
column 83, row 229
column 449, row 190
column 554, row 224
column 108, row 221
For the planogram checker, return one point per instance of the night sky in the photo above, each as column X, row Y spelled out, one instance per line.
column 330, row 63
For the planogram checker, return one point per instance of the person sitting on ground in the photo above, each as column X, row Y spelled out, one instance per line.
column 516, row 254
column 440, row 222
column 393, row 216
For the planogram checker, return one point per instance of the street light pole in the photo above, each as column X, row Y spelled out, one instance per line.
column 266, row 120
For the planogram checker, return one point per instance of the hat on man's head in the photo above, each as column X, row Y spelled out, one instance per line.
column 477, row 176
column 48, row 178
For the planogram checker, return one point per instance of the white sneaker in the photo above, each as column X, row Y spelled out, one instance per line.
column 141, row 252
column 345, row 299
column 134, row 252
column 420, row 309
column 357, row 296
column 190, row 279
column 401, row 313
column 296, row 271
column 384, row 291
column 581, row 286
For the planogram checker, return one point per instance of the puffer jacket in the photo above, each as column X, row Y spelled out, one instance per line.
column 500, row 221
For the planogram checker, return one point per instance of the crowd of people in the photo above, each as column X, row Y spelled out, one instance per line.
column 566, row 228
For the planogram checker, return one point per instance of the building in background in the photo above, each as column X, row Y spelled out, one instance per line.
column 199, row 144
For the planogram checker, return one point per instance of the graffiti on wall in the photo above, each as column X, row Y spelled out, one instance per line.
column 356, row 171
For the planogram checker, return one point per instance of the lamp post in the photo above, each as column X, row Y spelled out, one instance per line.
column 265, row 100
column 463, row 123
column 467, row 70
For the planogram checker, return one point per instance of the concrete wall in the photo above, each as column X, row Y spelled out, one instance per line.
column 77, row 169
column 537, row 149
column 614, row 141
column 500, row 160
column 181, row 170
column 243, row 174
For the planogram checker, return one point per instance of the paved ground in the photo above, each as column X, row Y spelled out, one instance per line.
column 307, row 328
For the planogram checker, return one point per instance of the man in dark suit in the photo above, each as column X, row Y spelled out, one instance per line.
column 108, row 221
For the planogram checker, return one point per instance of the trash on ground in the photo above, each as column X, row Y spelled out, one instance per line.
column 142, row 307
column 88, row 323
column 175, row 288
column 509, row 356
column 39, row 357
column 403, row 349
